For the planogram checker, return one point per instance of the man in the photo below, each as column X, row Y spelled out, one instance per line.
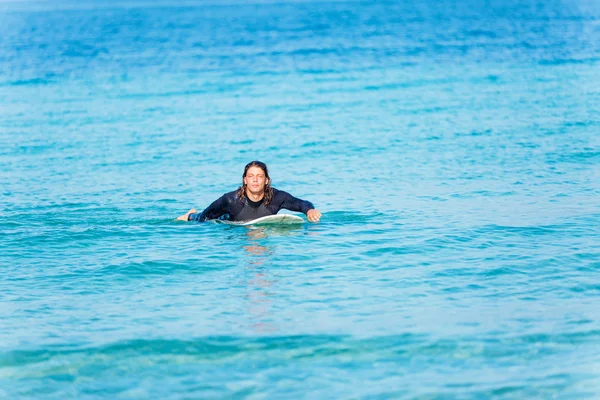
column 254, row 199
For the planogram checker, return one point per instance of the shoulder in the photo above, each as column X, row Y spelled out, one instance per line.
column 279, row 193
column 227, row 198
column 230, row 196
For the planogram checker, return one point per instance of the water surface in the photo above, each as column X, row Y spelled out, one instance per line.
column 453, row 149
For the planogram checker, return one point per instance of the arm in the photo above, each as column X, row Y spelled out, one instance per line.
column 186, row 216
column 295, row 204
column 216, row 209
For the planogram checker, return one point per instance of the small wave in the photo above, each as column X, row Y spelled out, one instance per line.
column 581, row 157
column 250, row 357
column 28, row 82
column 345, row 217
column 568, row 61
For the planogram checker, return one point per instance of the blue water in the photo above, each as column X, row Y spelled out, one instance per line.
column 453, row 148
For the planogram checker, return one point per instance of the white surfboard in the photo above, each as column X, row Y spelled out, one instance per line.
column 278, row 219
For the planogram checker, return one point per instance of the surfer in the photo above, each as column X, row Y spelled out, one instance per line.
column 254, row 199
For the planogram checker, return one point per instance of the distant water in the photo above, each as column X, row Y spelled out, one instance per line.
column 453, row 147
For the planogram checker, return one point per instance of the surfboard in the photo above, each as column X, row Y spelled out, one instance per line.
column 278, row 219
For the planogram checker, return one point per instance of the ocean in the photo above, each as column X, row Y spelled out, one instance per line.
column 452, row 147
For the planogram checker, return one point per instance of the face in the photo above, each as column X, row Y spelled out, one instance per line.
column 255, row 180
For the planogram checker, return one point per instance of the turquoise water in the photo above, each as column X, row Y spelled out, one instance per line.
column 454, row 150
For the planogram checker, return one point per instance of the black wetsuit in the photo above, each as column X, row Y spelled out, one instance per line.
column 233, row 208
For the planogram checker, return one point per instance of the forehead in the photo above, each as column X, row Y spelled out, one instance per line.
column 255, row 171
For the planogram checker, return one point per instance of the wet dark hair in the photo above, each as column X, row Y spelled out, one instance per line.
column 241, row 192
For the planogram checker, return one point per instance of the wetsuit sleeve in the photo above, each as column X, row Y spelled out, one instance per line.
column 217, row 209
column 292, row 203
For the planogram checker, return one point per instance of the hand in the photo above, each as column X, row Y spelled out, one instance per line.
column 185, row 216
column 313, row 215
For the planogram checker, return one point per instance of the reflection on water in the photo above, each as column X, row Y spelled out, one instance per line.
column 259, row 297
column 261, row 283
column 255, row 248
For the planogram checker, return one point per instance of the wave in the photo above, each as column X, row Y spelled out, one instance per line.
column 337, row 358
